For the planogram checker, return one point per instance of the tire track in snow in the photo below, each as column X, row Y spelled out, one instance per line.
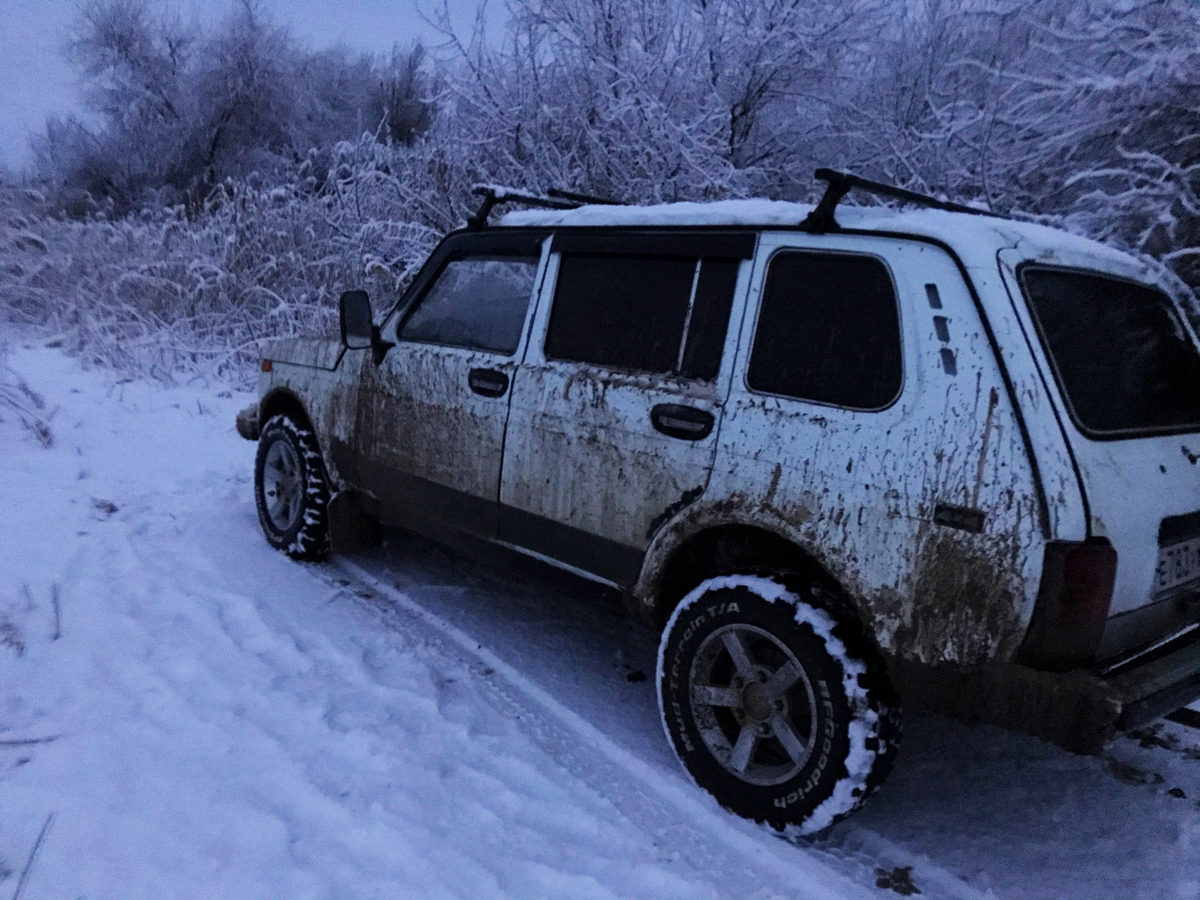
column 842, row 865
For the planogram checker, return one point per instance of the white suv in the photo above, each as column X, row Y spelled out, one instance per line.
column 840, row 459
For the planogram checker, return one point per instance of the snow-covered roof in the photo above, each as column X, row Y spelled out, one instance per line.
column 718, row 212
column 975, row 238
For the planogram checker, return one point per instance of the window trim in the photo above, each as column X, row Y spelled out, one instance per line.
column 687, row 320
column 753, row 335
column 686, row 241
column 1125, row 434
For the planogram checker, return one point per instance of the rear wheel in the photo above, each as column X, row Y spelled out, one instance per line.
column 290, row 489
column 780, row 711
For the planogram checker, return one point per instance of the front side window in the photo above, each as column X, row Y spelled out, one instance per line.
column 477, row 302
column 1120, row 354
column 661, row 314
column 828, row 331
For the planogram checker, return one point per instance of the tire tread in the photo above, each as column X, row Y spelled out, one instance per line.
column 308, row 539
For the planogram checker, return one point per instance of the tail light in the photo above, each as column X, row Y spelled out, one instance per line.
column 1072, row 605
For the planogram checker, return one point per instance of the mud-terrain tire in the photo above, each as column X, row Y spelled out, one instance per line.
column 778, row 709
column 290, row 489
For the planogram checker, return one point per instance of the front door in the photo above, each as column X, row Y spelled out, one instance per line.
column 615, row 413
column 432, row 415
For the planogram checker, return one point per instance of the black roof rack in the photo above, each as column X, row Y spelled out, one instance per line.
column 821, row 219
column 586, row 199
column 494, row 194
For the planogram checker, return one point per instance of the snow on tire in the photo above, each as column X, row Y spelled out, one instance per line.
column 780, row 711
column 290, row 489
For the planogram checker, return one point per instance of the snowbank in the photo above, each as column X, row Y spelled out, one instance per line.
column 210, row 721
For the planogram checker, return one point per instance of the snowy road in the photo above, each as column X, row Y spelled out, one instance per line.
column 205, row 718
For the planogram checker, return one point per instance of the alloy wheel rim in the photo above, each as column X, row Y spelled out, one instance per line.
column 283, row 486
column 753, row 704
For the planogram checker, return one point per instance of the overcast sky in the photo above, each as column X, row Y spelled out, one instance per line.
column 36, row 82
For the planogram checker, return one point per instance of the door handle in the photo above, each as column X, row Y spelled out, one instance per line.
column 487, row 382
column 684, row 422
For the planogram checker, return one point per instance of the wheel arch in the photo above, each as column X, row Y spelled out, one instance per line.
column 707, row 541
column 281, row 400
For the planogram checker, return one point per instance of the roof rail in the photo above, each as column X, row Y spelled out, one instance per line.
column 821, row 219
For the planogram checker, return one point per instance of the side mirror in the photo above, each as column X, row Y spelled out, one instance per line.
column 357, row 328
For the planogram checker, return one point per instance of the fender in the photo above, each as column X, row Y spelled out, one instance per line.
column 331, row 408
column 958, row 602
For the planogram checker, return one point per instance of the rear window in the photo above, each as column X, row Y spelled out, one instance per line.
column 1121, row 357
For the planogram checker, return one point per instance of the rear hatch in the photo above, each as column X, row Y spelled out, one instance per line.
column 1122, row 365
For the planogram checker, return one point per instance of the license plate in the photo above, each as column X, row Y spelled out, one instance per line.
column 1177, row 564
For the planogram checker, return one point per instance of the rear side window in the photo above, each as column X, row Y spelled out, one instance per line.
column 828, row 331
column 1120, row 355
column 663, row 314
column 477, row 302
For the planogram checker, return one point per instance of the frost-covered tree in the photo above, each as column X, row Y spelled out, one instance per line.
column 595, row 94
column 651, row 100
column 1084, row 112
column 133, row 63
column 400, row 104
column 245, row 85
column 177, row 110
column 776, row 69
column 1115, row 116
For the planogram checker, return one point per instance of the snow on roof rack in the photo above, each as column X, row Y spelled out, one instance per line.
column 494, row 194
column 821, row 219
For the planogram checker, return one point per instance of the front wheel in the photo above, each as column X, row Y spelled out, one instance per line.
column 290, row 489
column 781, row 712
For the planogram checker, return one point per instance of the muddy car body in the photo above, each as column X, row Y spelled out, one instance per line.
column 932, row 427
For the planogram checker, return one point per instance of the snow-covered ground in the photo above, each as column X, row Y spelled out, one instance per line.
column 186, row 713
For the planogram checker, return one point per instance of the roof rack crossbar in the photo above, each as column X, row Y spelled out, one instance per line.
column 587, row 199
column 822, row 219
column 494, row 194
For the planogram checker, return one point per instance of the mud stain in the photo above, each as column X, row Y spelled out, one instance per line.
column 962, row 606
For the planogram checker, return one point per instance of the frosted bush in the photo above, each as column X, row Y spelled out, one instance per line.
column 165, row 296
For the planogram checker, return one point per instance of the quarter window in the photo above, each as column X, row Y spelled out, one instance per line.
column 476, row 302
column 663, row 314
column 828, row 331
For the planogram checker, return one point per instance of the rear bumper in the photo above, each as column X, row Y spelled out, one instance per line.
column 1080, row 711
column 1159, row 683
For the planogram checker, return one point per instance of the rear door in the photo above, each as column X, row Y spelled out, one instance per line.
column 615, row 411
column 432, row 414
